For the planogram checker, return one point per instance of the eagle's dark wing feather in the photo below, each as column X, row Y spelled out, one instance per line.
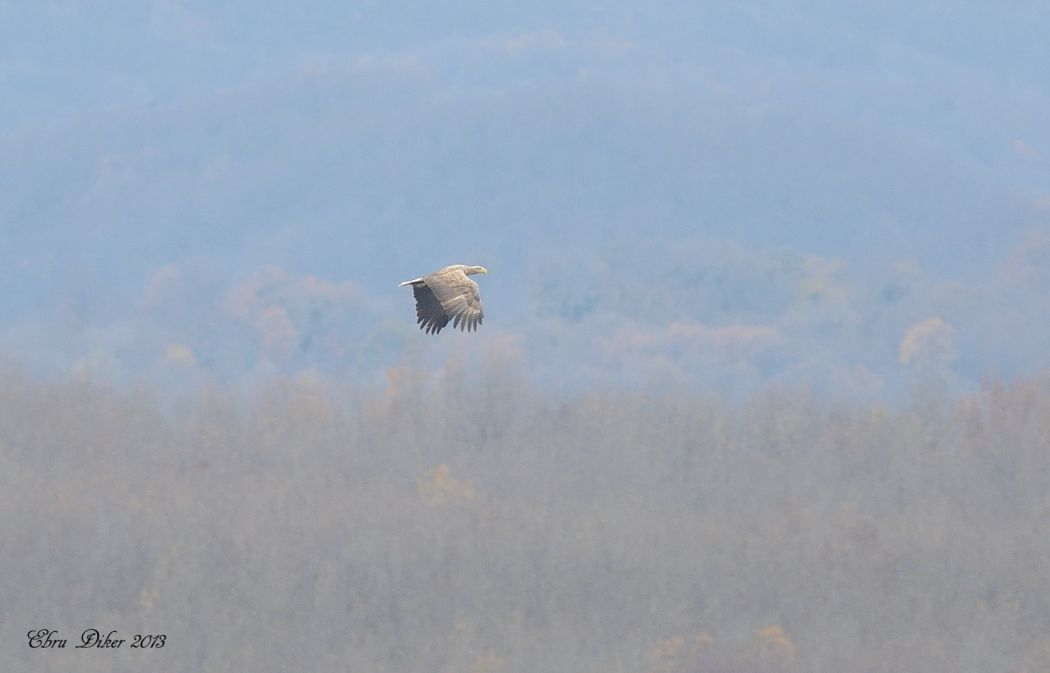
column 430, row 315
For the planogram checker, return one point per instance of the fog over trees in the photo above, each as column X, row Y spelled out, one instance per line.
column 469, row 520
column 763, row 384
column 729, row 194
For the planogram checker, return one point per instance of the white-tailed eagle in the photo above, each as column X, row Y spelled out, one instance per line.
column 448, row 295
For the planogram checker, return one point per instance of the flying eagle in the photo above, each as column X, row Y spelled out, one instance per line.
column 448, row 295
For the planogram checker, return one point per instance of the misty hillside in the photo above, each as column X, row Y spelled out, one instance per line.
column 469, row 522
column 723, row 197
column 762, row 384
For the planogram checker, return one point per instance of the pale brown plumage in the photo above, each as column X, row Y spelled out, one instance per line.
column 448, row 295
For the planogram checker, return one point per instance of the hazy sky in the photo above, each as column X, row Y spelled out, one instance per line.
column 693, row 214
column 722, row 194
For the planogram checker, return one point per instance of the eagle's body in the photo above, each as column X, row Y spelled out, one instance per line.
column 448, row 295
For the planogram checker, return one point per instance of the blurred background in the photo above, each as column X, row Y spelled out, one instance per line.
column 715, row 195
column 762, row 384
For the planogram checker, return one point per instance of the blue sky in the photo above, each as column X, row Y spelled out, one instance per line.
column 729, row 195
